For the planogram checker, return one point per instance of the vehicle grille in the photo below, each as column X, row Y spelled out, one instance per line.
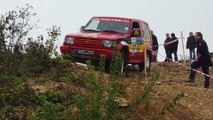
column 88, row 42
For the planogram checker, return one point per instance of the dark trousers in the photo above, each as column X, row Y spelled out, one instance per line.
column 192, row 53
column 175, row 54
column 156, row 56
column 205, row 69
column 168, row 55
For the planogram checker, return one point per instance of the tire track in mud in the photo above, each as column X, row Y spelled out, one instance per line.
column 196, row 105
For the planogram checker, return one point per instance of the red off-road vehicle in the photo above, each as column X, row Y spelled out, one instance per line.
column 100, row 35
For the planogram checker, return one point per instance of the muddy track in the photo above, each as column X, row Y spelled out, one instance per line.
column 197, row 103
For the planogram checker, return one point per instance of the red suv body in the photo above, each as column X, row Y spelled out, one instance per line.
column 100, row 35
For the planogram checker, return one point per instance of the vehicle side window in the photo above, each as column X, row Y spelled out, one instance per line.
column 136, row 31
column 135, row 25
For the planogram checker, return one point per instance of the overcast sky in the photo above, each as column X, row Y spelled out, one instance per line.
column 162, row 15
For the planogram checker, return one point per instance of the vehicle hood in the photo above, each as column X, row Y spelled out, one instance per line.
column 103, row 36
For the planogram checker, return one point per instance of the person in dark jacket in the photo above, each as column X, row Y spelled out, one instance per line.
column 191, row 45
column 155, row 44
column 203, row 59
column 174, row 46
column 168, row 48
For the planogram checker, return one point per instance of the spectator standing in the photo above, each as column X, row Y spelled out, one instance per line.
column 168, row 48
column 155, row 44
column 191, row 45
column 203, row 60
column 174, row 46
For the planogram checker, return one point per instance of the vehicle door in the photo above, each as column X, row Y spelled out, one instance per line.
column 136, row 46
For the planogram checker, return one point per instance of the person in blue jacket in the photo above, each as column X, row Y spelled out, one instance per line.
column 191, row 45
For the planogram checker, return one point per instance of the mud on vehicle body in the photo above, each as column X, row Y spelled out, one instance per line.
column 101, row 34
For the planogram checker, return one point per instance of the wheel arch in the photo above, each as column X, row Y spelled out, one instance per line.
column 123, row 47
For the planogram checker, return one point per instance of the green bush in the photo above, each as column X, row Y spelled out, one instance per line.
column 14, row 28
column 21, row 95
column 54, row 96
column 49, row 111
column 39, row 54
column 15, row 99
column 100, row 102
column 51, row 105
column 14, row 113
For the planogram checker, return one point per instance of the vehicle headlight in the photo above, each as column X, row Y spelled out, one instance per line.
column 107, row 43
column 69, row 40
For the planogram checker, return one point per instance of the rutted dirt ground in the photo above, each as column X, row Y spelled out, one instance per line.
column 197, row 103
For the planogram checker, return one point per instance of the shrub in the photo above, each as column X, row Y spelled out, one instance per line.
column 14, row 28
column 100, row 102
column 14, row 113
column 39, row 55
column 15, row 99
column 50, row 106
column 49, row 111
column 20, row 95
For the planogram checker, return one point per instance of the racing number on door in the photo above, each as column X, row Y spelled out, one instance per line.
column 136, row 45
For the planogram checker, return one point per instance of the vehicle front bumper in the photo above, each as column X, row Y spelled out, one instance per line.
column 108, row 53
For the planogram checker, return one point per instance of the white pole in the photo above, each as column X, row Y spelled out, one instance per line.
column 184, row 55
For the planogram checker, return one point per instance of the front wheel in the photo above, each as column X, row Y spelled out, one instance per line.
column 120, row 68
column 122, row 63
column 107, row 66
column 147, row 64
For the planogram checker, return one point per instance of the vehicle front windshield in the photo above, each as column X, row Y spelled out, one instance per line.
column 108, row 25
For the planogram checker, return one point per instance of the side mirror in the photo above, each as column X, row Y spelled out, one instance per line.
column 82, row 28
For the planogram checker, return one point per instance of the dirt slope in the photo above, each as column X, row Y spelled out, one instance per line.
column 197, row 103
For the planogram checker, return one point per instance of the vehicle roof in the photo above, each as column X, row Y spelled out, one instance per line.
column 133, row 19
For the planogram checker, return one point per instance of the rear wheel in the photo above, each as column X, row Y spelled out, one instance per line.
column 147, row 64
